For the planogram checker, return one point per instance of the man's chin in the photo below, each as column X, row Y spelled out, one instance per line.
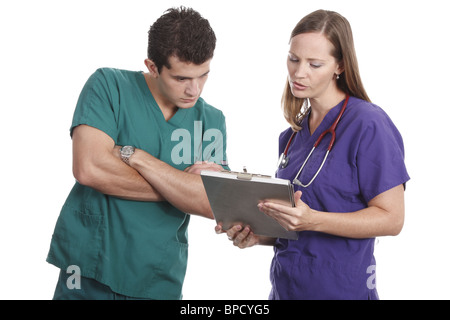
column 186, row 104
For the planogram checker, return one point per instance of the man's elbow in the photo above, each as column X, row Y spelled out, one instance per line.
column 204, row 207
column 206, row 211
column 84, row 175
column 209, row 214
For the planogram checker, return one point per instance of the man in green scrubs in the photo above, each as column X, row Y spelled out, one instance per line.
column 140, row 141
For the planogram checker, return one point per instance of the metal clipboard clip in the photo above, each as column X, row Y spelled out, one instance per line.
column 244, row 175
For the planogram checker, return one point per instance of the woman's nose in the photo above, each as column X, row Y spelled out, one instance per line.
column 300, row 72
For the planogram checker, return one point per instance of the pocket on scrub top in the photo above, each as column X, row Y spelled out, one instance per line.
column 170, row 270
column 327, row 280
column 78, row 235
column 339, row 178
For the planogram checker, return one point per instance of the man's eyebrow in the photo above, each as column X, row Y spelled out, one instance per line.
column 184, row 77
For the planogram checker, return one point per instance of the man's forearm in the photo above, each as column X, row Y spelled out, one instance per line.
column 119, row 180
column 97, row 164
column 183, row 190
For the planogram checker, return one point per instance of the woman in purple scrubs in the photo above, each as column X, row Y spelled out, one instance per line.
column 357, row 195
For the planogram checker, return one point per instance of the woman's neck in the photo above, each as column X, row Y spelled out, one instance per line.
column 321, row 106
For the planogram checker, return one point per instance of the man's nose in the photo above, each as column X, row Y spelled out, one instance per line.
column 193, row 88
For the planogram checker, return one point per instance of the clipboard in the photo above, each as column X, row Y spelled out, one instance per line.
column 234, row 197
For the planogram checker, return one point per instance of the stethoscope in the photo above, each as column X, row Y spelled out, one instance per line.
column 284, row 159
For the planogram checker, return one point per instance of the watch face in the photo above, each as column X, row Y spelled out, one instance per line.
column 127, row 151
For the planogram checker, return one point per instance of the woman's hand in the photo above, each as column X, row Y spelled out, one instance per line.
column 384, row 216
column 298, row 218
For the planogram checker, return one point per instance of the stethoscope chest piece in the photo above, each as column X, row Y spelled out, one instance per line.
column 283, row 161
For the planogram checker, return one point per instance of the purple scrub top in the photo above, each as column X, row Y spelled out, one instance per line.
column 366, row 160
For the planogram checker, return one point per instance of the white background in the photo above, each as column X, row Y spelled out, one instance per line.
column 49, row 49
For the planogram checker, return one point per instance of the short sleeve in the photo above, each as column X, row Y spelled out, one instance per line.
column 96, row 106
column 380, row 157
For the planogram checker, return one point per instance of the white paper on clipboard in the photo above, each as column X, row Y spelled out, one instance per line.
column 234, row 197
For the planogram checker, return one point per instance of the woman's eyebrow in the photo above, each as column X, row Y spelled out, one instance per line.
column 309, row 59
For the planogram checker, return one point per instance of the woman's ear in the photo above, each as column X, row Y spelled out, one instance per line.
column 341, row 67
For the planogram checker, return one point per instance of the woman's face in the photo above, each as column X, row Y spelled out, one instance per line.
column 312, row 69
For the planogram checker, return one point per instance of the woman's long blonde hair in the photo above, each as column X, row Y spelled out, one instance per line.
column 338, row 31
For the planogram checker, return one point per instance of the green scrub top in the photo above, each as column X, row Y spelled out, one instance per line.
column 138, row 249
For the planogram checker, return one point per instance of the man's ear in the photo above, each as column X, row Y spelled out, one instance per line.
column 152, row 68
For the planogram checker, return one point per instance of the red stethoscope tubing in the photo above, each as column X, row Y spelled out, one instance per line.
column 332, row 130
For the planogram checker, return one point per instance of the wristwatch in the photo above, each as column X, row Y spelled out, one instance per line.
column 126, row 152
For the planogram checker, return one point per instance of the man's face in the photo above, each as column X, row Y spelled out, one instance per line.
column 181, row 85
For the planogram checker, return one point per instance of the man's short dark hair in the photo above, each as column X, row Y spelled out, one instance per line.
column 180, row 32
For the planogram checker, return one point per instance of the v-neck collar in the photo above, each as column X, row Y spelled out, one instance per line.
column 176, row 119
column 326, row 122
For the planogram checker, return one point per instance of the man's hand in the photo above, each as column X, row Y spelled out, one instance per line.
column 199, row 166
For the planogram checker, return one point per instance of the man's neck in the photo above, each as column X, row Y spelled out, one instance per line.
column 167, row 108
